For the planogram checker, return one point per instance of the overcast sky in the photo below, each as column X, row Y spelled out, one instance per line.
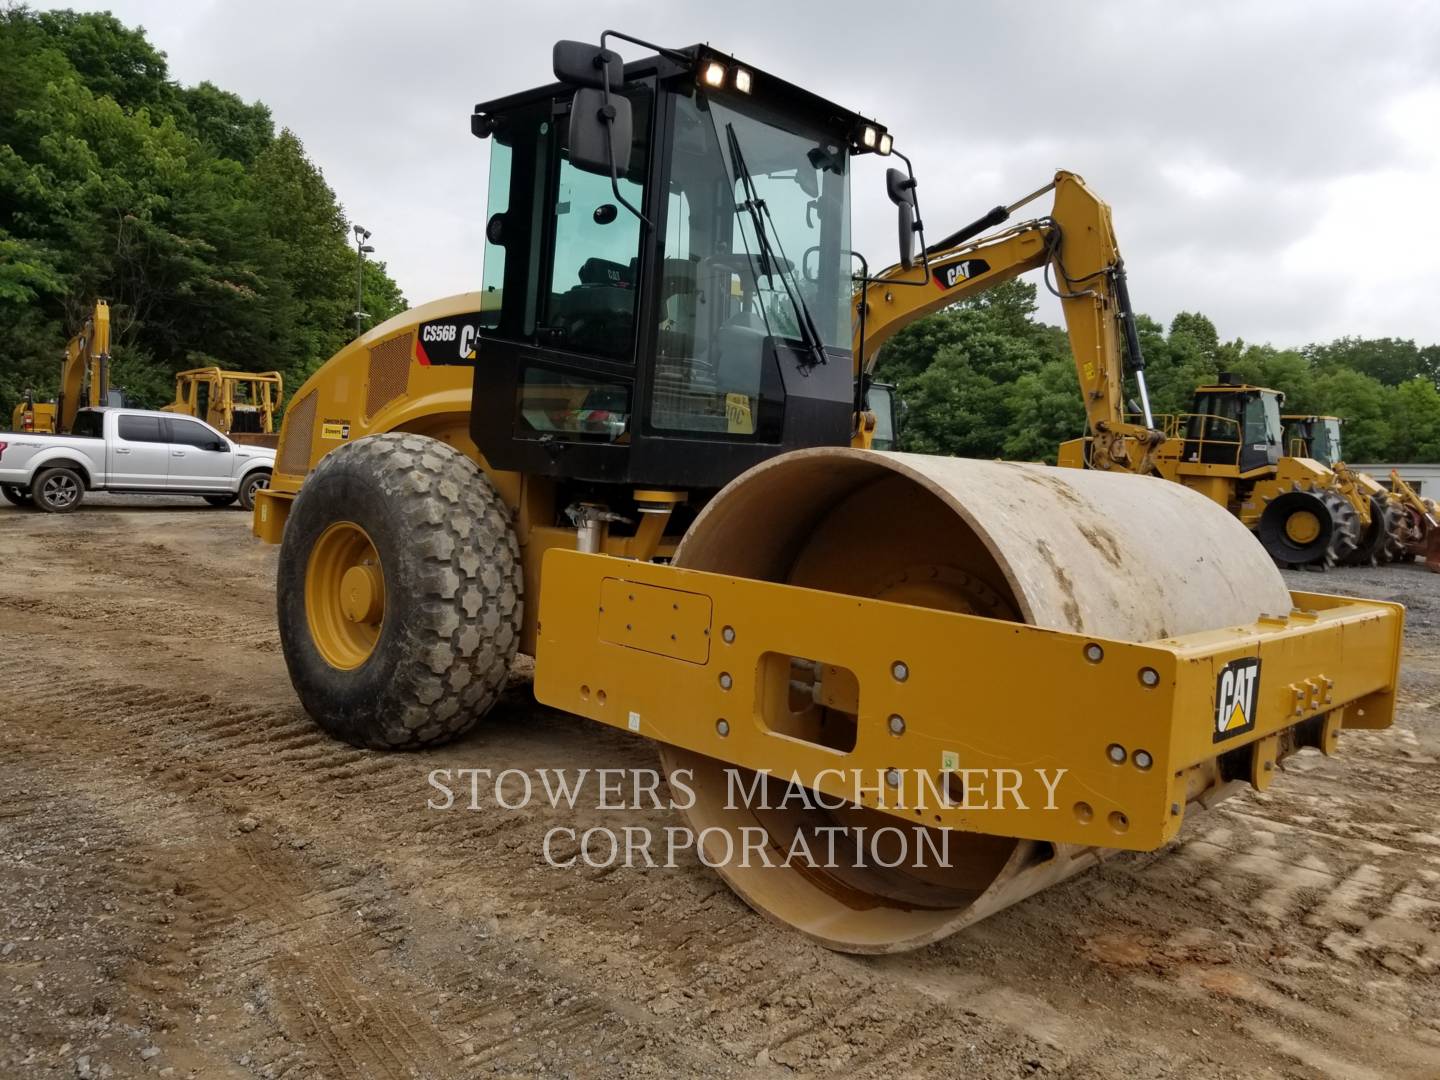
column 1274, row 163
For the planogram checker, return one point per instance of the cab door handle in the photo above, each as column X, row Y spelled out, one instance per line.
column 177, row 453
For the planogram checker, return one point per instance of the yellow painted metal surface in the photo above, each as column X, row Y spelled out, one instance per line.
column 667, row 622
column 228, row 394
column 976, row 694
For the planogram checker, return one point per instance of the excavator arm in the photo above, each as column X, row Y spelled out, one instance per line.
column 85, row 372
column 1077, row 244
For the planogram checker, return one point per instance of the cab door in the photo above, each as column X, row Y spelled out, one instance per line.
column 201, row 459
column 140, row 454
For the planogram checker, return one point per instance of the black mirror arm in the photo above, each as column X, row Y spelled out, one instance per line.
column 919, row 224
column 607, row 113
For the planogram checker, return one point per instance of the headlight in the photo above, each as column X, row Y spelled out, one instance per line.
column 714, row 74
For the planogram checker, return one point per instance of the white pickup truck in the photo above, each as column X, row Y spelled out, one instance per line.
column 133, row 451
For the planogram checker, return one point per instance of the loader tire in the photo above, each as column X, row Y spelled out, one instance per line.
column 1348, row 534
column 1400, row 534
column 17, row 495
column 1373, row 546
column 1296, row 528
column 398, row 593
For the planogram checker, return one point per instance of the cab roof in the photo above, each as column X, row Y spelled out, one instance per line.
column 766, row 88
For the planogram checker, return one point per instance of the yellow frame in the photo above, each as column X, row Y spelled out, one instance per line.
column 966, row 679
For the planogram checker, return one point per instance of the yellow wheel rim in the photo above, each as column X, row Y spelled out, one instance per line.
column 1302, row 527
column 344, row 595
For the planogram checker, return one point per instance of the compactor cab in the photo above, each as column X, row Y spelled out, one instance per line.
column 1314, row 437
column 1234, row 424
column 681, row 352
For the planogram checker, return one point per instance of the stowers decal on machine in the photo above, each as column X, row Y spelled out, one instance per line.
column 451, row 340
column 335, row 429
column 1237, row 691
column 947, row 277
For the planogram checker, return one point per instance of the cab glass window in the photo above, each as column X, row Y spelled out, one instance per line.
column 188, row 433
column 492, row 280
column 573, row 407
column 140, row 429
column 594, row 254
column 756, row 251
column 88, row 425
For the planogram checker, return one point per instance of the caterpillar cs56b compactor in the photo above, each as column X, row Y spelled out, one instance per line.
column 639, row 453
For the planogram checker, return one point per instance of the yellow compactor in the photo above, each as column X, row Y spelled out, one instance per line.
column 641, row 452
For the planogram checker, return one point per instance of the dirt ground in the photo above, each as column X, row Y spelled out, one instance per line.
column 194, row 882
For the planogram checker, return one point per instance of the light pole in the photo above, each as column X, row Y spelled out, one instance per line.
column 361, row 250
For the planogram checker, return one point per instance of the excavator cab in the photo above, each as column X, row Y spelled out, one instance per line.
column 670, row 257
column 1234, row 425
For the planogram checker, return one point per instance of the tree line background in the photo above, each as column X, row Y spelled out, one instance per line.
column 985, row 379
column 212, row 235
column 217, row 241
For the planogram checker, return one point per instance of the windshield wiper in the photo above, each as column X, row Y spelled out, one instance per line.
column 769, row 263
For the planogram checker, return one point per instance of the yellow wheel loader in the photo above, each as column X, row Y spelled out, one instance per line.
column 1389, row 526
column 640, row 453
column 242, row 404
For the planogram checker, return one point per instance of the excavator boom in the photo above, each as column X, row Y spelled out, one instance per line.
column 1076, row 246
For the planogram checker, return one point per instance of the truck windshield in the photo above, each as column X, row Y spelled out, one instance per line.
column 757, row 246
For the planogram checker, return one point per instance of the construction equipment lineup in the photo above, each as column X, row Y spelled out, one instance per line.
column 662, row 482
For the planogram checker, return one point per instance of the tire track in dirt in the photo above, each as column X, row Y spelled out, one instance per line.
column 354, row 933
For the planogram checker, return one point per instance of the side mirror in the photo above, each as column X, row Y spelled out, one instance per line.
column 218, row 446
column 598, row 131
column 901, row 189
column 579, row 64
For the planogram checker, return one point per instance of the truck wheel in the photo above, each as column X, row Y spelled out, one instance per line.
column 256, row 481
column 58, row 490
column 398, row 592
column 220, row 500
column 17, row 495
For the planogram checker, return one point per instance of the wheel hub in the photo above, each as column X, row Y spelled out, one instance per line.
column 362, row 594
column 344, row 595
column 1302, row 527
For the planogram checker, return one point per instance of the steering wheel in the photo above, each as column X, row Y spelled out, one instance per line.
column 738, row 262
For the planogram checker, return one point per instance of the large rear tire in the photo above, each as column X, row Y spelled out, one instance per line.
column 398, row 593
column 17, row 495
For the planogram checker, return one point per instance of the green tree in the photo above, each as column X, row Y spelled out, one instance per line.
column 1387, row 360
column 1366, row 407
column 211, row 236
